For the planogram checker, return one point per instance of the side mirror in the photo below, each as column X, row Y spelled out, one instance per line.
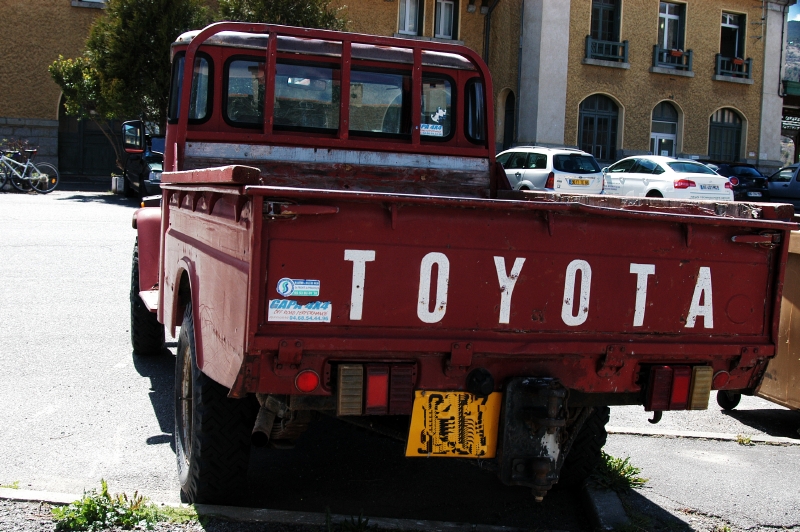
column 605, row 170
column 133, row 138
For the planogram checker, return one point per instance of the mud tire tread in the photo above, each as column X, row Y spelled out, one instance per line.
column 147, row 334
column 586, row 450
column 216, row 471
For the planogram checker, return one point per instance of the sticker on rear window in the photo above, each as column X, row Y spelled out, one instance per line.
column 298, row 287
column 431, row 130
column 289, row 310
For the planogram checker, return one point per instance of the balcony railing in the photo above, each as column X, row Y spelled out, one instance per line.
column 734, row 67
column 675, row 59
column 606, row 50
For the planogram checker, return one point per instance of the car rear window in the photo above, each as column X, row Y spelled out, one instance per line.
column 577, row 164
column 682, row 167
column 745, row 171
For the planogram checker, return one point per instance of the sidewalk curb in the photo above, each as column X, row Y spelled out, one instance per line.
column 605, row 508
column 260, row 515
column 721, row 436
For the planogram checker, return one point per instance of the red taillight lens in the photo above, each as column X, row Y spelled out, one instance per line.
column 681, row 379
column 307, row 381
column 659, row 388
column 377, row 390
column 728, row 185
column 551, row 181
column 684, row 183
column 733, row 181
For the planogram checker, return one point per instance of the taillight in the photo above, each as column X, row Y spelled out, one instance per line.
column 678, row 388
column 551, row 181
column 307, row 381
column 733, row 180
column 377, row 390
column 684, row 183
column 728, row 185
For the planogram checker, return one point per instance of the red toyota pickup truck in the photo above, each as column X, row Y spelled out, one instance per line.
column 334, row 236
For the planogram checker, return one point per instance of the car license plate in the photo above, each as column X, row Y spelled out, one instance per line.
column 709, row 187
column 579, row 182
column 754, row 194
column 454, row 424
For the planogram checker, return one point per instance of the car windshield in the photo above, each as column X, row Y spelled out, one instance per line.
column 745, row 171
column 575, row 163
column 684, row 167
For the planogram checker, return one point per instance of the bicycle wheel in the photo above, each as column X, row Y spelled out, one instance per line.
column 21, row 184
column 3, row 177
column 43, row 177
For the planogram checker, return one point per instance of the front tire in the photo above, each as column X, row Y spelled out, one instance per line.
column 728, row 400
column 44, row 178
column 147, row 334
column 212, row 431
column 586, row 451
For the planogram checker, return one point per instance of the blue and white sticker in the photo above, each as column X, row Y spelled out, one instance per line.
column 290, row 310
column 298, row 287
column 431, row 130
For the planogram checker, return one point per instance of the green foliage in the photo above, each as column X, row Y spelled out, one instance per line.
column 99, row 511
column 13, row 486
column 124, row 71
column 304, row 13
column 352, row 525
column 617, row 474
column 742, row 439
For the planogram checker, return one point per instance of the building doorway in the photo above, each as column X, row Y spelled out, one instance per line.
column 664, row 130
column 83, row 149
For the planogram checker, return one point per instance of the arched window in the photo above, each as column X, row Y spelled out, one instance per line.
column 725, row 136
column 597, row 127
column 508, row 120
column 664, row 130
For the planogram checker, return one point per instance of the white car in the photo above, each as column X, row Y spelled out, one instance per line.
column 565, row 170
column 654, row 176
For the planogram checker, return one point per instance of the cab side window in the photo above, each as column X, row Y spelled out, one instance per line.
column 517, row 161
column 782, row 176
column 645, row 166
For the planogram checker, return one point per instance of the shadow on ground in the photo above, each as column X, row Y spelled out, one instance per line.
column 108, row 198
column 161, row 372
column 773, row 421
column 645, row 515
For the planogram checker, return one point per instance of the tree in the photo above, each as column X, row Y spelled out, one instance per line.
column 125, row 70
column 304, row 13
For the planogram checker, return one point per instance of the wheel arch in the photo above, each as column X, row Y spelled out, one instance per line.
column 147, row 222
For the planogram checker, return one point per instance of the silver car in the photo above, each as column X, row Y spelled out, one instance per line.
column 655, row 176
column 553, row 169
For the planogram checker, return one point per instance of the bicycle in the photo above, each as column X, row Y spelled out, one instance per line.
column 26, row 176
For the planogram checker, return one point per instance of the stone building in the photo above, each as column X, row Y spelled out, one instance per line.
column 34, row 33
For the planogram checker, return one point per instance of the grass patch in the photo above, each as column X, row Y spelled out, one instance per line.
column 743, row 439
column 617, row 474
column 351, row 525
column 13, row 486
column 100, row 510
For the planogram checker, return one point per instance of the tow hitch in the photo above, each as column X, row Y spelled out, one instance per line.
column 534, row 439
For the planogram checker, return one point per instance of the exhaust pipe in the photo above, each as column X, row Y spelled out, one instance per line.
column 270, row 407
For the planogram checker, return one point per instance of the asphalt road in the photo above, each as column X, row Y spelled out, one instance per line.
column 77, row 407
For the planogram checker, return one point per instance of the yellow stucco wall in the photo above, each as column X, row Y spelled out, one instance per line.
column 34, row 33
column 637, row 91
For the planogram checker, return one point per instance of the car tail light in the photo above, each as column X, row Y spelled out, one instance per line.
column 401, row 389
column 551, row 181
column 681, row 379
column 377, row 390
column 728, row 185
column 349, row 390
column 307, row 381
column 684, row 183
column 733, row 180
column 678, row 388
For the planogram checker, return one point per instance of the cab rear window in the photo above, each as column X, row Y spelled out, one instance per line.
column 200, row 95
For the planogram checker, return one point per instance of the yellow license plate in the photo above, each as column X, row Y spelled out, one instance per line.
column 454, row 424
column 579, row 182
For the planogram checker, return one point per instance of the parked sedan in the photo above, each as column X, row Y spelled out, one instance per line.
column 655, row 176
column 784, row 185
column 748, row 183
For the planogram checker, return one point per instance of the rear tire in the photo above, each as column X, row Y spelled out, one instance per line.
column 44, row 178
column 147, row 334
column 586, row 450
column 212, row 431
column 728, row 400
column 654, row 194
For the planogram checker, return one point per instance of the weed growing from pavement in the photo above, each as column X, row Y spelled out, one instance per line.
column 13, row 486
column 361, row 525
column 741, row 439
column 100, row 511
column 617, row 474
